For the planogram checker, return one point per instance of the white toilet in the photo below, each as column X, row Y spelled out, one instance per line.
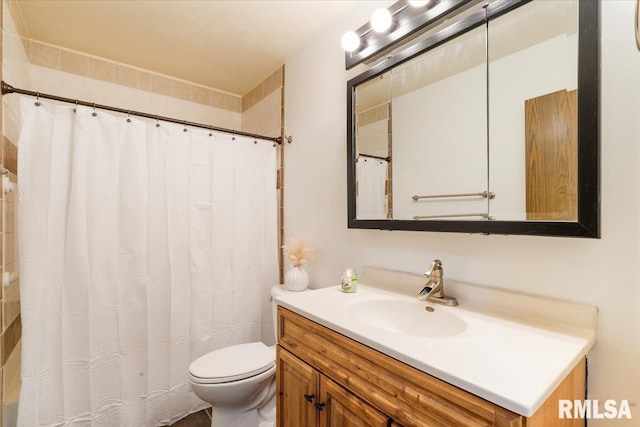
column 239, row 381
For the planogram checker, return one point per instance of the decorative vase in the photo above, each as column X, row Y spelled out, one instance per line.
column 296, row 279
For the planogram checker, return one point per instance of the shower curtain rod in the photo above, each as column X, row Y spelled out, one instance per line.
column 7, row 89
column 388, row 158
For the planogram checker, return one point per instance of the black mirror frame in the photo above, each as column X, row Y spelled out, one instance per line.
column 588, row 223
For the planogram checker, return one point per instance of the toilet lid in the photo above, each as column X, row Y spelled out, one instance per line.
column 233, row 363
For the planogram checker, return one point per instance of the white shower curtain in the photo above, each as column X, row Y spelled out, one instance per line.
column 371, row 202
column 141, row 248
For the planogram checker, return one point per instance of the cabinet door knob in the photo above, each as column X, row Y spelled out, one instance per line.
column 319, row 406
column 309, row 397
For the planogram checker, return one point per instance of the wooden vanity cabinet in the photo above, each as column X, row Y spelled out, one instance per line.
column 344, row 409
column 326, row 379
column 297, row 391
column 308, row 398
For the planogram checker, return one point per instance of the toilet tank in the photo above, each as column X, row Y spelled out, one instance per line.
column 276, row 291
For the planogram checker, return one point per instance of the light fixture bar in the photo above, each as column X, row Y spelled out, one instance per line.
column 407, row 21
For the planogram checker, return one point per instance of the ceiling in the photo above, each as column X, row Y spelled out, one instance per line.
column 224, row 44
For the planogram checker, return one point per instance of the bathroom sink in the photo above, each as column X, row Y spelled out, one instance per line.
column 407, row 317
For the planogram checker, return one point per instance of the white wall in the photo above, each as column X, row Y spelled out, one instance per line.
column 601, row 272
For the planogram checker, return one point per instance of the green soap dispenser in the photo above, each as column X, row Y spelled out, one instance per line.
column 349, row 281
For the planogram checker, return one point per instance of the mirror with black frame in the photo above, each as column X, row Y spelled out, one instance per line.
column 490, row 124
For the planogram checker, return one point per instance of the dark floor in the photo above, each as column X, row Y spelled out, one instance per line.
column 197, row 419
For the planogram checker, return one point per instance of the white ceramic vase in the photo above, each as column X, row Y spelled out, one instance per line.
column 296, row 279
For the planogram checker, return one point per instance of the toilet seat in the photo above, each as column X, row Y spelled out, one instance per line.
column 232, row 363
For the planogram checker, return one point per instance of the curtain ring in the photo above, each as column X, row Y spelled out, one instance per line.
column 210, row 130
column 76, row 107
column 37, row 103
column 255, row 138
column 94, row 110
column 157, row 122
column 233, row 138
column 185, row 126
column 129, row 116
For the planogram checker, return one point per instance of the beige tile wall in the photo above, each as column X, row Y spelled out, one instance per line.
column 72, row 86
column 372, row 115
column 11, row 292
column 38, row 66
column 263, row 113
column 67, row 61
column 15, row 66
column 262, row 106
column 74, row 74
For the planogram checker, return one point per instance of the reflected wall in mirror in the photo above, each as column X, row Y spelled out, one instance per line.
column 502, row 113
column 440, row 131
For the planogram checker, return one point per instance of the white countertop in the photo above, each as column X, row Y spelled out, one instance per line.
column 513, row 364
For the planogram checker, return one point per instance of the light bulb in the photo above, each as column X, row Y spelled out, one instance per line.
column 418, row 3
column 381, row 20
column 350, row 41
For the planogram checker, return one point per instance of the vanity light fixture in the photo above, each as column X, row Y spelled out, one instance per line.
column 381, row 20
column 350, row 41
column 394, row 24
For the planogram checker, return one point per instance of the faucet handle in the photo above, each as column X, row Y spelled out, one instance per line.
column 435, row 265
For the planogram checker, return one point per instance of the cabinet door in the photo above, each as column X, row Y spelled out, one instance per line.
column 343, row 409
column 296, row 390
column 551, row 156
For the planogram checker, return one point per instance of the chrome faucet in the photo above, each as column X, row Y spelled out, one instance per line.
column 433, row 290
